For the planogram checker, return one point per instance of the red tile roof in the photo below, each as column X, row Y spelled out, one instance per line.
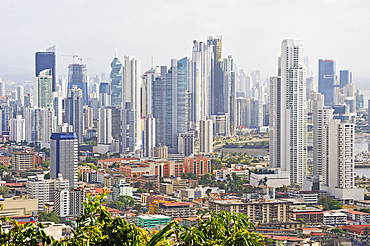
column 355, row 212
column 358, row 229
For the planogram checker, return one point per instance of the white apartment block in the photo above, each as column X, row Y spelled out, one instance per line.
column 206, row 136
column 44, row 189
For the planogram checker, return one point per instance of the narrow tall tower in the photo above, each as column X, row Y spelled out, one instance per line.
column 288, row 119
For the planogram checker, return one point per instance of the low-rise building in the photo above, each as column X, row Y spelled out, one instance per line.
column 19, row 206
column 121, row 189
column 177, row 209
column 307, row 197
column 363, row 204
column 23, row 160
column 259, row 211
column 150, row 221
column 359, row 218
column 334, row 218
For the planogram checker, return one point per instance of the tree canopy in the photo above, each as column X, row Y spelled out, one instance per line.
column 97, row 227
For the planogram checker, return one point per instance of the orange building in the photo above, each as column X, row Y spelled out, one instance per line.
column 198, row 165
column 5, row 160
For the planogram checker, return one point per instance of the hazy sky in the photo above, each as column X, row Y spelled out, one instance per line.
column 251, row 30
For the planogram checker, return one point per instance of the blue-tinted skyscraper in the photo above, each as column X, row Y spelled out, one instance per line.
column 345, row 77
column 116, row 82
column 327, row 81
column 64, row 157
column 46, row 60
column 77, row 76
column 179, row 85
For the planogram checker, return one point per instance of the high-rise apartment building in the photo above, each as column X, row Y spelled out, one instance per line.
column 327, row 80
column 77, row 77
column 2, row 87
column 46, row 60
column 64, row 157
column 17, row 129
column 20, row 96
column 42, row 89
column 116, row 82
column 69, row 202
column 321, row 115
column 131, row 94
column 105, row 126
column 74, row 111
column 288, row 116
column 149, row 136
column 185, row 144
column 338, row 161
column 206, row 136
column 127, row 137
column 44, row 189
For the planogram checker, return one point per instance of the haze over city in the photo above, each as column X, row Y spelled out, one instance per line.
column 251, row 32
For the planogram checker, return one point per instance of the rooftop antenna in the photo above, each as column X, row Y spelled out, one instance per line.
column 152, row 62
column 116, row 55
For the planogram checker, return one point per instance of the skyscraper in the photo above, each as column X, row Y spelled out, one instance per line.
column 217, row 95
column 42, row 89
column 206, row 136
column 288, row 119
column 131, row 94
column 105, row 95
column 20, row 96
column 149, row 137
column 77, row 76
column 17, row 129
column 345, row 77
column 74, row 111
column 46, row 60
column 116, row 82
column 2, row 87
column 105, row 125
column 321, row 116
column 64, row 157
column 327, row 80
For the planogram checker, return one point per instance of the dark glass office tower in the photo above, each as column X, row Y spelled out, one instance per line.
column 46, row 60
column 345, row 77
column 327, row 81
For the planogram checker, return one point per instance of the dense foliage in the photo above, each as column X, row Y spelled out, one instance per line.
column 97, row 227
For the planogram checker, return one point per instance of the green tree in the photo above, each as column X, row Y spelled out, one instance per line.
column 324, row 200
column 47, row 176
column 48, row 217
column 337, row 230
column 335, row 205
column 140, row 190
column 216, row 164
column 137, row 184
column 4, row 190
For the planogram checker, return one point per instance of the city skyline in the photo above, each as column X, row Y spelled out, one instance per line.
column 252, row 43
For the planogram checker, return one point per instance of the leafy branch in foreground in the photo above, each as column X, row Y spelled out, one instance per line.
column 97, row 227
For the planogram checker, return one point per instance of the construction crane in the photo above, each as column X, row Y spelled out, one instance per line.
column 81, row 58
column 74, row 56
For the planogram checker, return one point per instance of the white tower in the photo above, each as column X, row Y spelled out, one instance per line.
column 131, row 93
column 206, row 136
column 288, row 119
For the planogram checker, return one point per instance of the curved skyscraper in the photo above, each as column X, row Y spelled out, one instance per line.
column 116, row 82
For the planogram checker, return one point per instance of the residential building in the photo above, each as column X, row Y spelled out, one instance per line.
column 177, row 209
column 150, row 221
column 149, row 136
column 359, row 218
column 105, row 126
column 19, row 206
column 121, row 189
column 24, row 160
column 64, row 157
column 42, row 89
column 131, row 94
column 288, row 113
column 259, row 211
column 17, row 129
column 334, row 218
column 74, row 111
column 44, row 189
column 185, row 144
column 198, row 165
column 69, row 202
column 206, row 136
